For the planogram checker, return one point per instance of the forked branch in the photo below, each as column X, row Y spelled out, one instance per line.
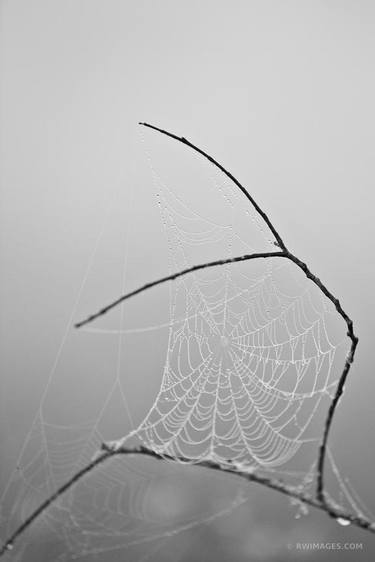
column 319, row 500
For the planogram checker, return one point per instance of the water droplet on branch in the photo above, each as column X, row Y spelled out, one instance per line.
column 342, row 521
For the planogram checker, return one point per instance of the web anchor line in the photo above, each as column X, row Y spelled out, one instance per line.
column 318, row 500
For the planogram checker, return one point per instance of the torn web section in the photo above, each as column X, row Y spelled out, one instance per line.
column 102, row 384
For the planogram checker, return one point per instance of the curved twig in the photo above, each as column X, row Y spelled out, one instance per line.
column 228, row 468
column 172, row 277
column 184, row 141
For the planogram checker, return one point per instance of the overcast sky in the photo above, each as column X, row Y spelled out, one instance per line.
column 280, row 92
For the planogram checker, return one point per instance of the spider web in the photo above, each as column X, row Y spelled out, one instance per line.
column 249, row 356
column 249, row 367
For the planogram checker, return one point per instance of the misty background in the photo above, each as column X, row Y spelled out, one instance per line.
column 281, row 93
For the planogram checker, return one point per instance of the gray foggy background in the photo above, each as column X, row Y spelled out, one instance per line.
column 282, row 94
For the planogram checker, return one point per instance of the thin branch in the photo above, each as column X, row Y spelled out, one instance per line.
column 229, row 468
column 340, row 387
column 272, row 483
column 9, row 544
column 184, row 141
column 172, row 277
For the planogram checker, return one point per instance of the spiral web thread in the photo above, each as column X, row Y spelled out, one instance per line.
column 251, row 366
